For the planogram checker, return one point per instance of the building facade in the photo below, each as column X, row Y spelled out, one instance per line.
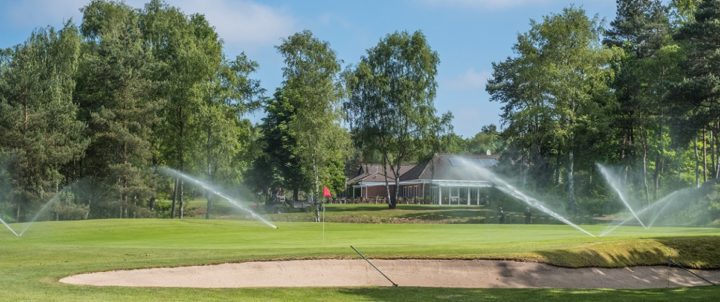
column 445, row 179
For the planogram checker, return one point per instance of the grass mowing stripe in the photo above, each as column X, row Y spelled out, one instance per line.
column 31, row 265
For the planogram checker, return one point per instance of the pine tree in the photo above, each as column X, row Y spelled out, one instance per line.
column 38, row 119
column 113, row 89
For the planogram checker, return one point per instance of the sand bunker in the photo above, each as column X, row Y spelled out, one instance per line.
column 425, row 273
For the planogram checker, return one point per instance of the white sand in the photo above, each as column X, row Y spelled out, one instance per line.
column 424, row 273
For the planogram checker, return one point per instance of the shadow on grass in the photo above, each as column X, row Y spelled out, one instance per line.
column 694, row 252
column 509, row 295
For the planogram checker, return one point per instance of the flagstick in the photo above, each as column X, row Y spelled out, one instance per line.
column 323, row 221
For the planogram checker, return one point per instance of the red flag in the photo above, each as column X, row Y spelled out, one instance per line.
column 326, row 192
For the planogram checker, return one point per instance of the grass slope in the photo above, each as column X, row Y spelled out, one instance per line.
column 30, row 266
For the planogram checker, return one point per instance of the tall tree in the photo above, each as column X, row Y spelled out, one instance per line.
column 488, row 139
column 114, row 92
column 697, row 96
column 189, row 54
column 641, row 29
column 390, row 104
column 553, row 89
column 303, row 134
column 231, row 94
column 38, row 119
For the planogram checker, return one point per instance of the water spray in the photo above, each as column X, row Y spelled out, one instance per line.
column 509, row 189
column 216, row 192
column 612, row 182
column 9, row 228
column 52, row 200
column 665, row 201
column 42, row 210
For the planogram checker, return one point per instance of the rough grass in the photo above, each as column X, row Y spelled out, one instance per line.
column 30, row 266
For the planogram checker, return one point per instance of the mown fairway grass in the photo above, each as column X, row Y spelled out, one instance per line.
column 379, row 213
column 30, row 266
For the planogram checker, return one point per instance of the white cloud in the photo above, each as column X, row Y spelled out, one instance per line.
column 39, row 13
column 471, row 79
column 483, row 4
column 241, row 24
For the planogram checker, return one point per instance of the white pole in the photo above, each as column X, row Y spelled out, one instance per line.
column 440, row 195
column 468, row 200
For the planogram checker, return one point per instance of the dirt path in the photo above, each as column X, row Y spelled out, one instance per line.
column 425, row 273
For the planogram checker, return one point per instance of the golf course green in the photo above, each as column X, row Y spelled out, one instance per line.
column 30, row 266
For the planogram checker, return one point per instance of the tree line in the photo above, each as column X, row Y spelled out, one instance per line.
column 98, row 106
column 641, row 94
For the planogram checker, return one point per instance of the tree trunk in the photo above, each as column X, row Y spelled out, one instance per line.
column 316, row 185
column 396, row 194
column 704, row 155
column 209, row 205
column 713, row 152
column 525, row 166
column 208, row 162
column 182, row 200
column 181, row 157
column 571, row 183
column 174, row 198
column 644, row 168
column 697, row 172
column 658, row 162
column 717, row 150
column 387, row 183
column 558, row 169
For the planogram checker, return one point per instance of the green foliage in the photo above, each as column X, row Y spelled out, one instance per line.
column 132, row 89
column 554, row 94
column 38, row 119
column 305, row 144
column 113, row 90
column 697, row 96
column 488, row 139
column 390, row 103
column 683, row 10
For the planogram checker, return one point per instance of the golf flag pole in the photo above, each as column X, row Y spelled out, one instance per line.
column 326, row 194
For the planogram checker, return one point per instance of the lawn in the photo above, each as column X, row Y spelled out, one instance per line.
column 379, row 213
column 30, row 266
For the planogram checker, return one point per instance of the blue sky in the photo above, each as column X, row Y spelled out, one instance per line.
column 468, row 35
